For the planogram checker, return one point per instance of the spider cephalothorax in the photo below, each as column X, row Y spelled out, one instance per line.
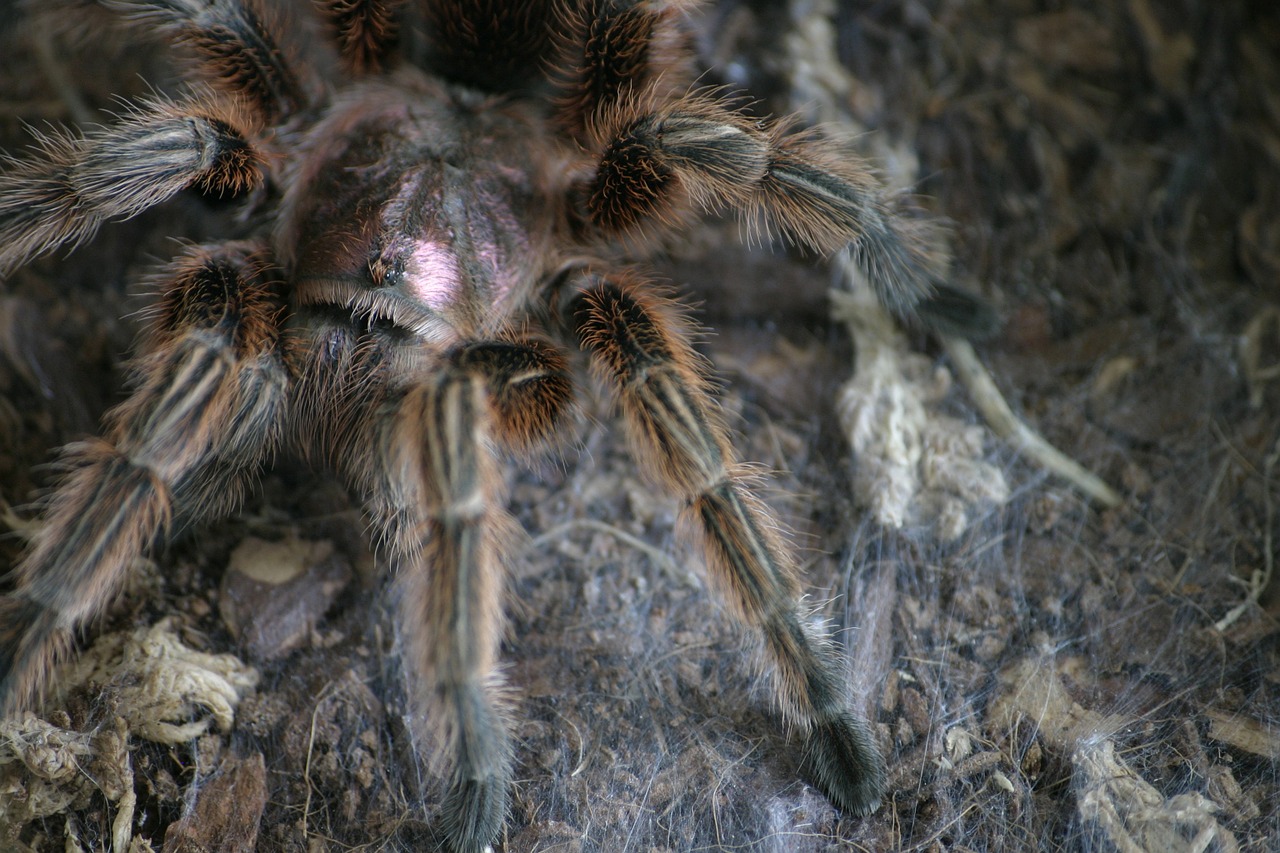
column 418, row 212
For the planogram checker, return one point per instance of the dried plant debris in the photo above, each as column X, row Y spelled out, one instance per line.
column 160, row 690
column 914, row 465
column 168, row 692
column 43, row 771
column 1113, row 798
column 1043, row 672
column 911, row 459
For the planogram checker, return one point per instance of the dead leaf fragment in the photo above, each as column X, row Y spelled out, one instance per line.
column 226, row 813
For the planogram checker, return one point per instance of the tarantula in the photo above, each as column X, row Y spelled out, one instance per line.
column 414, row 212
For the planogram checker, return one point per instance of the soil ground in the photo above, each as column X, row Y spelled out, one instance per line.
column 1056, row 675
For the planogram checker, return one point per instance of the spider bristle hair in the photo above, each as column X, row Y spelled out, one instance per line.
column 529, row 389
column 632, row 184
column 61, row 197
column 616, row 49
column 823, row 197
column 719, row 154
column 840, row 757
column 236, row 166
column 494, row 45
column 228, row 288
column 641, row 345
column 31, row 643
column 235, row 46
column 658, row 162
column 162, row 147
column 638, row 334
column 211, row 357
column 612, row 51
column 366, row 31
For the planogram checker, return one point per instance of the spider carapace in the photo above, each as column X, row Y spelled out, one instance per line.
column 431, row 221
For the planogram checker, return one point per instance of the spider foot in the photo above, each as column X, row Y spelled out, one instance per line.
column 474, row 811
column 841, row 758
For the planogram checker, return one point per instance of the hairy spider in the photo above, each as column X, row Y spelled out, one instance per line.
column 413, row 213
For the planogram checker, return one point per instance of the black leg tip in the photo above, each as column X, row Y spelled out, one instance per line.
column 842, row 760
column 473, row 814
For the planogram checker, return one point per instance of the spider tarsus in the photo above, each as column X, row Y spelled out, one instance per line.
column 953, row 311
column 475, row 805
column 840, row 757
column 474, row 811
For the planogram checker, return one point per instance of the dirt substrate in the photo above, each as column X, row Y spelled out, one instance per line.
column 1045, row 672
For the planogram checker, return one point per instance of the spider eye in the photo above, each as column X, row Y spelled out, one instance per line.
column 387, row 261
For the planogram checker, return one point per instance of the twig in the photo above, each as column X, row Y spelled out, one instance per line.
column 1259, row 579
column 1005, row 424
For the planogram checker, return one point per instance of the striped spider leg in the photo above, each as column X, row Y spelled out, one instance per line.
column 420, row 194
column 640, row 344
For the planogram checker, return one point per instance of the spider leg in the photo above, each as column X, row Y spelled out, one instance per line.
column 641, row 350
column 450, row 587
column 77, row 183
column 495, row 45
column 425, row 456
column 205, row 412
column 366, row 31
column 658, row 165
column 452, row 577
column 617, row 49
column 237, row 50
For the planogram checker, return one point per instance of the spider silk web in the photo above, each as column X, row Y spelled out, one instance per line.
column 1044, row 672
